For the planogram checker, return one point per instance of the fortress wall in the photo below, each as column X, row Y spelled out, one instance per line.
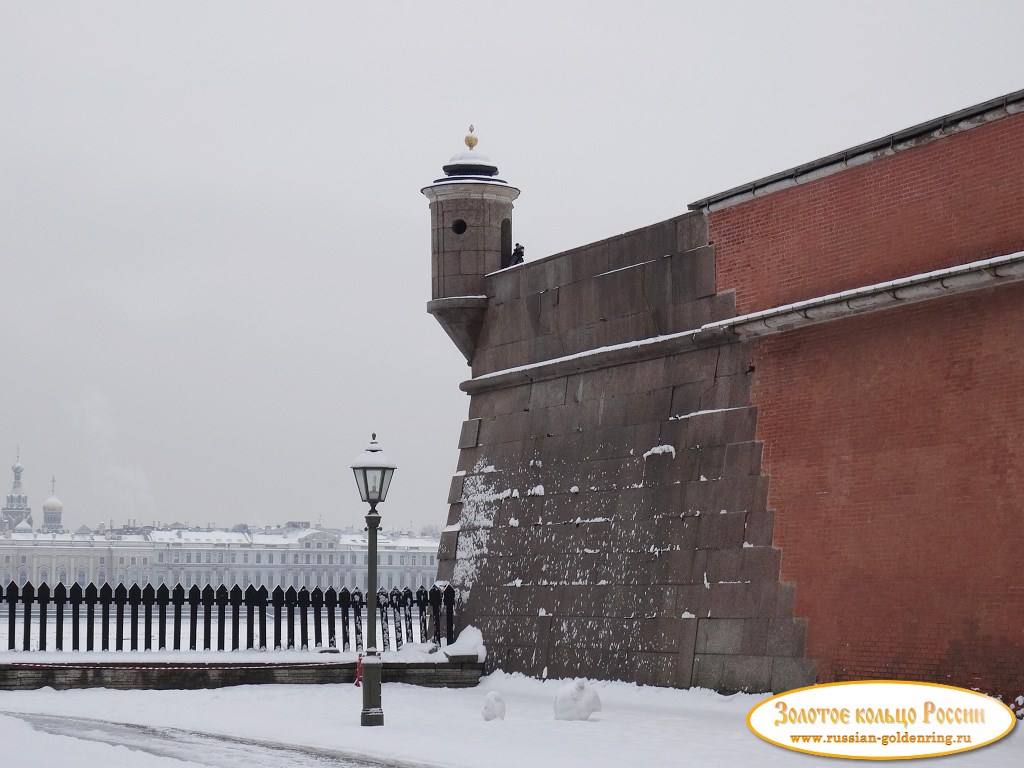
column 944, row 203
column 655, row 280
column 893, row 440
column 894, row 447
column 612, row 515
column 609, row 519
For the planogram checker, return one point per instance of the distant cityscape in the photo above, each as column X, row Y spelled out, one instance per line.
column 292, row 554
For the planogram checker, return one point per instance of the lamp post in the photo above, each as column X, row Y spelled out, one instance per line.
column 373, row 471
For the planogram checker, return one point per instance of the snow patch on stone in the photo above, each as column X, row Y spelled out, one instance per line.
column 659, row 449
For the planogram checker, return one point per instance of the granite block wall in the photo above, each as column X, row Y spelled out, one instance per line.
column 612, row 522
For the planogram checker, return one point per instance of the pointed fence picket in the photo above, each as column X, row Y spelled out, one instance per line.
column 37, row 607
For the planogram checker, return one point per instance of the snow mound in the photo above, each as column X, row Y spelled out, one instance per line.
column 576, row 701
column 494, row 707
column 471, row 641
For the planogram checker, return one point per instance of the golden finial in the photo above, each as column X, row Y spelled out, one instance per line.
column 471, row 140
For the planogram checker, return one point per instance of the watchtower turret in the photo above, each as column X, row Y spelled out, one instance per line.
column 471, row 235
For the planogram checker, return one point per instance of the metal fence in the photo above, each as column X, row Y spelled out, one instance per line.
column 160, row 617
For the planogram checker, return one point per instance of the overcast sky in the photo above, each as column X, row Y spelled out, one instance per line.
column 215, row 257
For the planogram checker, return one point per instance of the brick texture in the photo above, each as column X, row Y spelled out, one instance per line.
column 945, row 203
column 894, row 447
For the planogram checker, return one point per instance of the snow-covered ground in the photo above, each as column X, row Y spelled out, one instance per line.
column 428, row 726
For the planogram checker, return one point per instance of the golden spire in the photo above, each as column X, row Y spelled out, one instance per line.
column 471, row 140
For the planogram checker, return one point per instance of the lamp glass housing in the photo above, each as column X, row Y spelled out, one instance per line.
column 373, row 482
column 373, row 470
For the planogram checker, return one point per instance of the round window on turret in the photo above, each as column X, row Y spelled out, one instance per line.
column 458, row 226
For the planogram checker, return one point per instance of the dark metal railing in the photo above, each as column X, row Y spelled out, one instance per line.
column 180, row 608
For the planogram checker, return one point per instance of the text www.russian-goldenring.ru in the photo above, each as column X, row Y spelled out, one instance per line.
column 885, row 740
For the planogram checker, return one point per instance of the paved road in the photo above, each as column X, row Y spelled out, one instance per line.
column 196, row 748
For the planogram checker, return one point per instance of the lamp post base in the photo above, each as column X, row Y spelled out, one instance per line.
column 372, row 714
column 371, row 717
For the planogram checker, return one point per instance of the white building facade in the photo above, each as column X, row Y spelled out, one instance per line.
column 286, row 557
column 295, row 555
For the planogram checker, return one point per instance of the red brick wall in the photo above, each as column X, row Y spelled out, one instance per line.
column 894, row 442
column 895, row 447
column 952, row 201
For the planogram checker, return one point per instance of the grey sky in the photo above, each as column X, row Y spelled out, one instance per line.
column 213, row 250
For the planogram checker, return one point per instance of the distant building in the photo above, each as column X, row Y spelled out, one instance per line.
column 295, row 555
column 16, row 511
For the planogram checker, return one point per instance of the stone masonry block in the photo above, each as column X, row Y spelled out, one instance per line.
column 785, row 597
column 448, row 546
column 691, row 231
column 727, row 392
column 609, row 443
column 554, row 421
column 737, row 601
column 743, row 458
column 724, row 565
column 755, row 636
column 662, row 470
column 654, row 668
column 520, row 659
column 547, row 393
column 650, row 407
column 704, row 271
column 693, row 601
column 470, row 433
column 445, row 569
column 789, row 673
column 712, row 461
column 696, row 365
column 760, row 526
column 498, row 401
column 686, row 398
column 760, row 564
column 707, row 671
column 676, row 530
column 512, row 427
column 693, row 273
column 455, row 489
column 720, row 531
column 663, row 635
column 546, row 347
column 680, row 567
column 752, row 674
column 733, row 359
column 719, row 636
column 504, row 286
column 787, row 637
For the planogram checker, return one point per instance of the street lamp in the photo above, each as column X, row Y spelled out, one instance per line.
column 373, row 471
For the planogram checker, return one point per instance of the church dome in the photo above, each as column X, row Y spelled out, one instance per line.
column 17, row 468
column 53, row 504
